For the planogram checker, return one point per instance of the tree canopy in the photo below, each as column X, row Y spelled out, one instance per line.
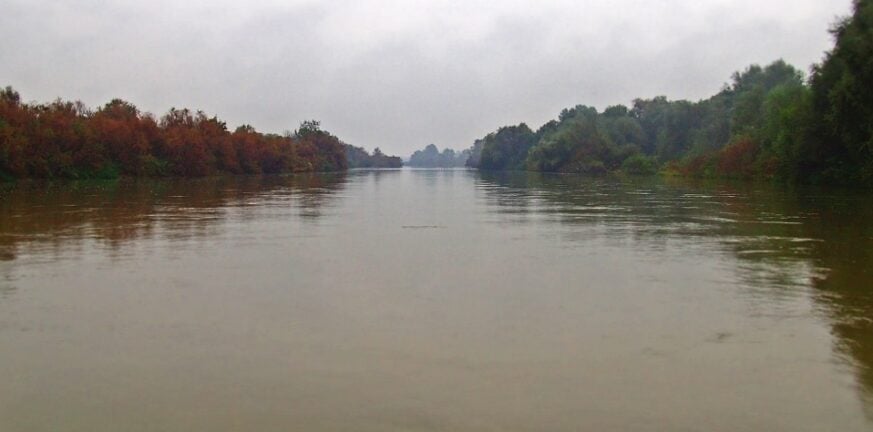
column 431, row 157
column 767, row 122
column 67, row 140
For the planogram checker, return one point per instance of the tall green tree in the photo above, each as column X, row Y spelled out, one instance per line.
column 842, row 86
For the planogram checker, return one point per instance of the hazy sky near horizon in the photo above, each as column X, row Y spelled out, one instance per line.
column 397, row 74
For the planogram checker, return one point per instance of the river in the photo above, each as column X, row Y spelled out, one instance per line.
column 434, row 300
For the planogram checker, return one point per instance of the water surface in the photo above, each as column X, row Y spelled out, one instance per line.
column 433, row 300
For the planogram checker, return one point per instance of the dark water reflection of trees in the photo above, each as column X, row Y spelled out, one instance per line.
column 54, row 214
column 771, row 231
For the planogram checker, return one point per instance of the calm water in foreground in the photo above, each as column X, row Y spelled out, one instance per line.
column 434, row 301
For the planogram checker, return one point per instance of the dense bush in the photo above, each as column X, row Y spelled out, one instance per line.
column 67, row 140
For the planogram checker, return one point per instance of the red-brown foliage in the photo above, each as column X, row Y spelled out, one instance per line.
column 65, row 139
column 738, row 158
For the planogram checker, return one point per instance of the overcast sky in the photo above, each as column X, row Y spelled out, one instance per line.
column 397, row 74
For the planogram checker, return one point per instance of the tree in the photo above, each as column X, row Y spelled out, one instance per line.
column 66, row 139
column 507, row 149
column 842, row 88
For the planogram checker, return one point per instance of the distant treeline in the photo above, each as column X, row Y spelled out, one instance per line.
column 431, row 157
column 359, row 158
column 769, row 122
column 67, row 140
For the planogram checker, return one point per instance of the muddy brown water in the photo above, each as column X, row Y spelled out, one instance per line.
column 434, row 300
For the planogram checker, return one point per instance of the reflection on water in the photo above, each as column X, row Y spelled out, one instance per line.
column 782, row 239
column 434, row 300
column 54, row 215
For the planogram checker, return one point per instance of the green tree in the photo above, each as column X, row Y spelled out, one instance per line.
column 842, row 149
column 507, row 148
